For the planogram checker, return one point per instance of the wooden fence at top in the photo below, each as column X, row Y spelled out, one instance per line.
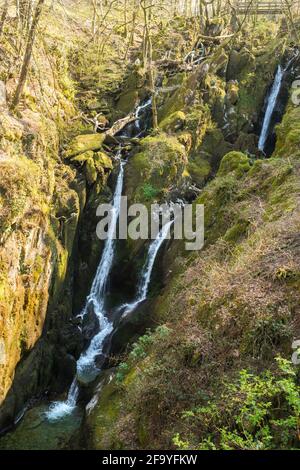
column 271, row 7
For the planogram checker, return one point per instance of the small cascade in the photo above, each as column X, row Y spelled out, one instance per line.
column 141, row 123
column 86, row 367
column 272, row 100
column 144, row 283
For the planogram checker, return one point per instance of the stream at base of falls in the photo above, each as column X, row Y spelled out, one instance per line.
column 51, row 425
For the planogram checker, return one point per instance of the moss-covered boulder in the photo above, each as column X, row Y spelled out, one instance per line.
column 239, row 60
column 84, row 143
column 234, row 161
column 158, row 164
column 132, row 92
column 174, row 122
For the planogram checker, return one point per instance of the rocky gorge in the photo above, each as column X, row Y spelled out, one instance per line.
column 219, row 320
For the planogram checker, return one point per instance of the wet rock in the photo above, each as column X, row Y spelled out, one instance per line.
column 64, row 371
column 130, row 328
column 90, row 323
column 71, row 338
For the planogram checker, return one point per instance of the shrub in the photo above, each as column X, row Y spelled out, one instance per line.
column 257, row 412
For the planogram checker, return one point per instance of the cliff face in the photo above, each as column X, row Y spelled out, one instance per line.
column 40, row 208
column 47, row 208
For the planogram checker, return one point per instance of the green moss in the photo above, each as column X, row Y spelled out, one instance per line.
column 83, row 157
column 174, row 122
column 236, row 231
column 159, row 163
column 90, row 171
column 234, row 161
column 149, row 191
column 288, row 133
column 127, row 102
column 217, row 199
column 103, row 160
column 83, row 143
column 199, row 170
column 18, row 185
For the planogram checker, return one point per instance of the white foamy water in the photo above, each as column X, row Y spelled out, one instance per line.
column 86, row 367
column 59, row 409
column 139, row 111
column 272, row 100
column 148, row 268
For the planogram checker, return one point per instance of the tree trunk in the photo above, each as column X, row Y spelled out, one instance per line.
column 28, row 54
column 148, row 59
column 3, row 17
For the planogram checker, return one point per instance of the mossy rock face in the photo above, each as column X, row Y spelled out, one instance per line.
column 288, row 132
column 101, row 419
column 127, row 102
column 83, row 143
column 83, row 157
column 158, row 164
column 220, row 63
column 214, row 147
column 133, row 92
column 232, row 94
column 173, row 123
column 199, row 170
column 246, row 143
column 239, row 60
column 234, row 161
column 103, row 160
column 91, row 171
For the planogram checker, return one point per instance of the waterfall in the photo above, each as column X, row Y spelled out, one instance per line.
column 144, row 283
column 139, row 113
column 96, row 299
column 87, row 369
column 86, row 366
column 270, row 108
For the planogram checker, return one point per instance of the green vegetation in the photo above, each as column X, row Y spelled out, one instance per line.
column 205, row 362
column 255, row 412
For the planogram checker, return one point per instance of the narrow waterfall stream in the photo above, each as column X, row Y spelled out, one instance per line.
column 144, row 283
column 87, row 369
column 272, row 100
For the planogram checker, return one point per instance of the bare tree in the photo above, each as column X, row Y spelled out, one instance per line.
column 28, row 53
column 3, row 16
column 148, row 55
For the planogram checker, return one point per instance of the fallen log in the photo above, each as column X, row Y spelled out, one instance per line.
column 120, row 124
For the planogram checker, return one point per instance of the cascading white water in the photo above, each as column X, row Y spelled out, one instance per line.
column 147, row 269
column 86, row 367
column 272, row 100
column 139, row 110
